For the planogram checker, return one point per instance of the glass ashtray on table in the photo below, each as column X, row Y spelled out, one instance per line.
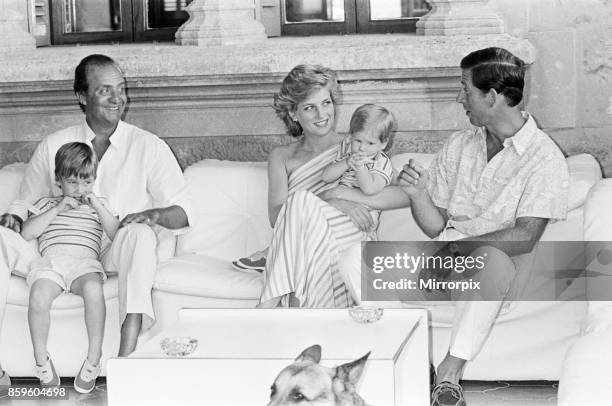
column 178, row 346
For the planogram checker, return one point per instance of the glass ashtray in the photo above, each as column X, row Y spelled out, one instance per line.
column 365, row 314
column 178, row 346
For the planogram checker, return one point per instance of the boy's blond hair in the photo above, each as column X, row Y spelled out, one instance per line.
column 75, row 159
column 375, row 118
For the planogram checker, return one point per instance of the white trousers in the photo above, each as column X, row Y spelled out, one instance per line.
column 473, row 318
column 133, row 255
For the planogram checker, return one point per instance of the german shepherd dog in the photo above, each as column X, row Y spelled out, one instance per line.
column 305, row 382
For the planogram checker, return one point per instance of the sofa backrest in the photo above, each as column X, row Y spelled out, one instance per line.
column 231, row 201
column 10, row 179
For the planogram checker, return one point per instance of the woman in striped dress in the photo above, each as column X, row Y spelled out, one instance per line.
column 309, row 234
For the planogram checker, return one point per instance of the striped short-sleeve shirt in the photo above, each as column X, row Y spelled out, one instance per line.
column 379, row 164
column 76, row 227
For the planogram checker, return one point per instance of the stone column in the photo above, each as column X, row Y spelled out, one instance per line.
column 13, row 35
column 219, row 23
column 460, row 17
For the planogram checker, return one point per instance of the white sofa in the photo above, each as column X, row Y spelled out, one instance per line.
column 586, row 376
column 527, row 343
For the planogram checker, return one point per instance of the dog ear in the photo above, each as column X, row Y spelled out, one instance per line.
column 351, row 371
column 311, row 354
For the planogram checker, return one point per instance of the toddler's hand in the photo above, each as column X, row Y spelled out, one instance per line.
column 68, row 203
column 92, row 200
column 356, row 161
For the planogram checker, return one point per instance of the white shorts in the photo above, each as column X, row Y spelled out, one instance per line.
column 63, row 269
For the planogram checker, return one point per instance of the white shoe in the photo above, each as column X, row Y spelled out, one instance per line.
column 5, row 383
column 85, row 381
column 5, row 379
column 47, row 374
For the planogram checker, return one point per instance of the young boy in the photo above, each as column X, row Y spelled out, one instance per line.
column 69, row 231
column 361, row 161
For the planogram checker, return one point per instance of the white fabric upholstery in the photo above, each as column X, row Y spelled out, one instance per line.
column 231, row 203
column 10, row 179
column 201, row 275
column 598, row 228
column 585, row 379
column 231, row 200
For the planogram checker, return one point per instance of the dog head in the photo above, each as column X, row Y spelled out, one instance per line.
column 305, row 382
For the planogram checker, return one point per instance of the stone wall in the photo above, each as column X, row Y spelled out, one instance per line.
column 215, row 103
column 571, row 81
column 212, row 102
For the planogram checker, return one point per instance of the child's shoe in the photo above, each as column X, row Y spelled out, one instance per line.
column 254, row 262
column 47, row 374
column 85, row 381
column 5, row 383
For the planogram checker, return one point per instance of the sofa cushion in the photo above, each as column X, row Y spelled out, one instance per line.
column 202, row 275
column 19, row 294
column 10, row 179
column 585, row 377
column 585, row 172
column 231, row 203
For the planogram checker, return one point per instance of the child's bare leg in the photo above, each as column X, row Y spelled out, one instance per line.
column 89, row 287
column 42, row 294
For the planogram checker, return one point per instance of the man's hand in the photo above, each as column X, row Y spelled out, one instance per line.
column 11, row 221
column 359, row 214
column 68, row 203
column 414, row 178
column 148, row 217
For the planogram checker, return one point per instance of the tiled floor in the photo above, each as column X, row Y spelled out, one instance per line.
column 477, row 393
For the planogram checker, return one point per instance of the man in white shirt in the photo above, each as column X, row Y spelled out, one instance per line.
column 137, row 174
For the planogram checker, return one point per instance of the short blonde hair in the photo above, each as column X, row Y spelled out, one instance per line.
column 75, row 159
column 375, row 118
column 297, row 86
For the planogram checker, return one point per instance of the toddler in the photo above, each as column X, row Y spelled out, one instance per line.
column 69, row 230
column 361, row 161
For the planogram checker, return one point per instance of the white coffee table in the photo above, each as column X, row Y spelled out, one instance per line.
column 241, row 351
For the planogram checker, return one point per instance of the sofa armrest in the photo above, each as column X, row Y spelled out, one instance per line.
column 598, row 235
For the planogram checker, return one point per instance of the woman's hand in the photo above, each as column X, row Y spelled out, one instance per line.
column 414, row 179
column 359, row 214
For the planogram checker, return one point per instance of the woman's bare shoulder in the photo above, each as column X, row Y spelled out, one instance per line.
column 284, row 152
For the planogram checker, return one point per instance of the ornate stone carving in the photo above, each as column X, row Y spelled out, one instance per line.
column 220, row 23
column 13, row 36
column 460, row 17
